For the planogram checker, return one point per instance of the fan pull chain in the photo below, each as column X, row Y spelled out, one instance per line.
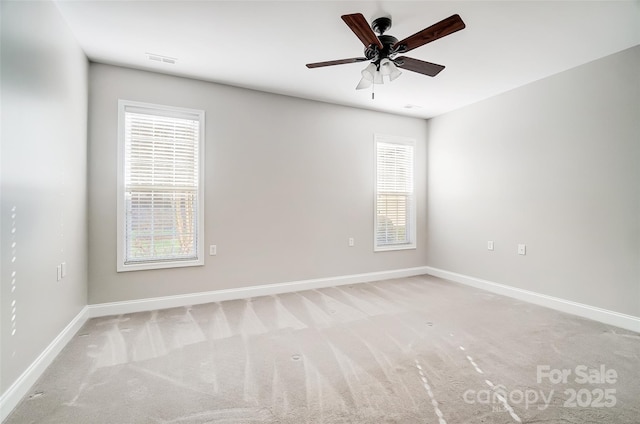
column 373, row 95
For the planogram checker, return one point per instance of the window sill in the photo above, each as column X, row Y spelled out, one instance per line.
column 394, row 247
column 159, row 265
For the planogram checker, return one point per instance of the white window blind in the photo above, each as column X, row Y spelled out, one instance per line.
column 395, row 205
column 161, row 198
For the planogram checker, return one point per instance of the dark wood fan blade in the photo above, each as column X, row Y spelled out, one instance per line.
column 336, row 62
column 361, row 28
column 441, row 29
column 419, row 66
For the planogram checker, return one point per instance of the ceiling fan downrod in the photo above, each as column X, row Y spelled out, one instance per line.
column 373, row 52
column 381, row 25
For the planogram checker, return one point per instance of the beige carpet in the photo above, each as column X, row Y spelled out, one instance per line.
column 414, row 350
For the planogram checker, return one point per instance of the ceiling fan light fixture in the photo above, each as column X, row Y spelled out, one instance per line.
column 369, row 73
column 372, row 74
column 389, row 69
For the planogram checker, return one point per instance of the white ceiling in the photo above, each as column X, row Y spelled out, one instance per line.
column 264, row 45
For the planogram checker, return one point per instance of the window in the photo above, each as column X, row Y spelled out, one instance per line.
column 160, row 186
column 395, row 220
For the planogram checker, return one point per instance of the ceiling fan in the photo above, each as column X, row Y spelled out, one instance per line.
column 383, row 50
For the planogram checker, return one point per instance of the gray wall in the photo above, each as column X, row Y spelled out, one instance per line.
column 556, row 165
column 43, row 192
column 288, row 181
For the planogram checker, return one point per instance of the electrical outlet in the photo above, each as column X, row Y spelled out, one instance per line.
column 352, row 242
column 522, row 249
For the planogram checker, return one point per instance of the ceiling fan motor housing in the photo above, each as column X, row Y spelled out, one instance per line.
column 376, row 55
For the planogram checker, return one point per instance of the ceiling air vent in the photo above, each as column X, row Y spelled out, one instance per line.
column 160, row 58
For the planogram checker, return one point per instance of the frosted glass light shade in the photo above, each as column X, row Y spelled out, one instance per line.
column 372, row 75
column 364, row 83
column 389, row 69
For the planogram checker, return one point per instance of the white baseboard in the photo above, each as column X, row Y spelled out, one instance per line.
column 150, row 304
column 12, row 396
column 628, row 322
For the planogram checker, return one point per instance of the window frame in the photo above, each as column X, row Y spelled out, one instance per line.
column 411, row 218
column 166, row 111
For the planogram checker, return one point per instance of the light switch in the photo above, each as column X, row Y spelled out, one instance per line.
column 63, row 269
column 213, row 250
column 59, row 269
